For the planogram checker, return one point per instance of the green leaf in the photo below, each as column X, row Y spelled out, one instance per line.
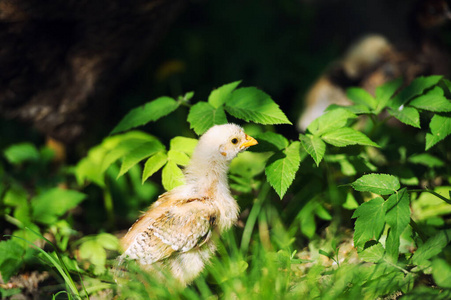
column 153, row 164
column 385, row 92
column 441, row 272
column 350, row 202
column 220, row 95
column 19, row 153
column 125, row 146
column 432, row 247
column 11, row 254
column 407, row 115
column 93, row 251
column 108, row 241
column 427, row 160
column 172, row 176
column 438, row 91
column 357, row 109
column 306, row 216
column 186, row 97
column 322, row 252
column 346, row 136
column 269, row 141
column 50, row 205
column 331, row 120
column 370, row 222
column 397, row 216
column 15, row 196
column 252, row 104
column 202, row 116
column 149, row 112
column 440, row 128
column 432, row 102
column 183, row 144
column 136, row 155
column 374, row 253
column 314, row 146
column 101, row 157
column 382, row 184
column 178, row 157
column 281, row 168
column 361, row 96
column 416, row 87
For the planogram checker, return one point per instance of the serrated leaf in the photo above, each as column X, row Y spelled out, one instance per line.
column 441, row 272
column 361, row 96
column 370, row 222
column 331, row 120
column 153, row 164
column 136, row 155
column 415, row 88
column 252, row 104
column 436, row 91
column 281, row 168
column 432, row 247
column 385, row 92
column 178, row 157
column 48, row 206
column 20, row 153
column 346, row 136
column 440, row 126
column 183, row 144
column 407, row 115
column 447, row 84
column 397, row 216
column 314, row 146
column 220, row 95
column 427, row 160
column 146, row 113
column 269, row 141
column 432, row 101
column 374, row 253
column 172, row 176
column 382, row 184
column 202, row 116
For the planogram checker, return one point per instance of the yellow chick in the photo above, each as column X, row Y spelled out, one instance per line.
column 175, row 232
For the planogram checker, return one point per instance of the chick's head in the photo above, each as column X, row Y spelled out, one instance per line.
column 224, row 142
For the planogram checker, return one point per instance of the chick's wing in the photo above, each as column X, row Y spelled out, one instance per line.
column 178, row 227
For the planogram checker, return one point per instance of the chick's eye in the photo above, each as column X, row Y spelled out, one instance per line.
column 234, row 141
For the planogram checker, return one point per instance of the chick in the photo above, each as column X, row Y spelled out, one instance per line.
column 175, row 232
column 360, row 65
column 374, row 60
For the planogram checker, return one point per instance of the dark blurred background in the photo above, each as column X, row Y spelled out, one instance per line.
column 71, row 70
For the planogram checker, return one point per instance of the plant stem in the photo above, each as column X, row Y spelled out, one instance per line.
column 418, row 230
column 253, row 216
column 433, row 193
column 109, row 207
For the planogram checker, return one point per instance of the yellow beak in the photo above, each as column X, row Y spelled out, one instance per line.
column 250, row 141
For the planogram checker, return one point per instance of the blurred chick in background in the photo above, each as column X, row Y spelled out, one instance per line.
column 374, row 60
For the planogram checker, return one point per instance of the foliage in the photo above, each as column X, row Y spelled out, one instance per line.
column 356, row 207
